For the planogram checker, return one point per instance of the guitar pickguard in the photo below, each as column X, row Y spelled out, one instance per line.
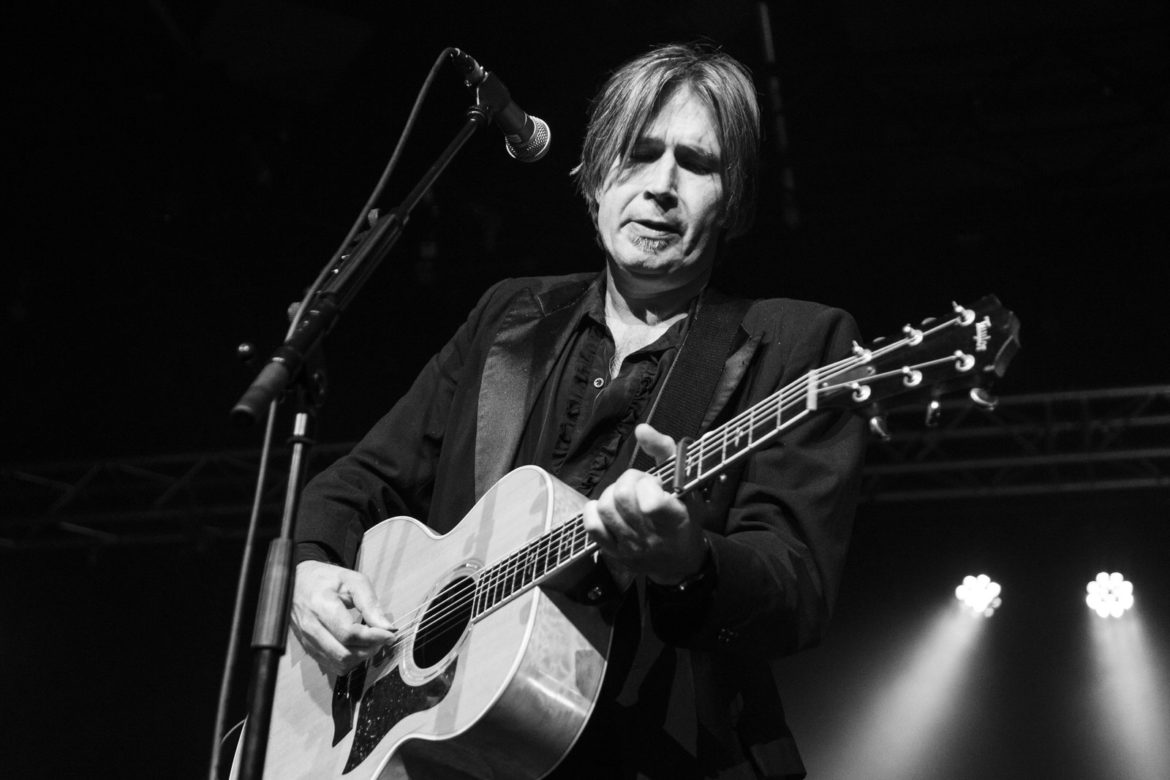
column 347, row 692
column 387, row 702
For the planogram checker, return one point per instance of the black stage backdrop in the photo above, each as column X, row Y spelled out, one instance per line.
column 178, row 174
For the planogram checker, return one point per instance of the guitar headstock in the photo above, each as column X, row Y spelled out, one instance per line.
column 968, row 348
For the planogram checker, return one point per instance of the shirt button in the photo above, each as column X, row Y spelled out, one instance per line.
column 598, row 382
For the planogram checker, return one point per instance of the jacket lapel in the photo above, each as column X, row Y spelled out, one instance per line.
column 737, row 362
column 734, row 369
column 518, row 364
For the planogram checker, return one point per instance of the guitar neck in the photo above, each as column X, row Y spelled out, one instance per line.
column 970, row 346
column 704, row 459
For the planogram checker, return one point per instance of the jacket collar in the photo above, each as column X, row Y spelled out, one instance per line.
column 520, row 360
column 530, row 337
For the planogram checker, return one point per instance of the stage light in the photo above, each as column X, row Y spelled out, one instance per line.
column 923, row 692
column 1110, row 595
column 979, row 594
column 1129, row 686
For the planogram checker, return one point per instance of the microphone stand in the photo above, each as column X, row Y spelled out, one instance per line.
column 287, row 366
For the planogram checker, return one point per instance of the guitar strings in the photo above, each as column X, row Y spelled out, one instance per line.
column 512, row 565
column 499, row 574
column 451, row 606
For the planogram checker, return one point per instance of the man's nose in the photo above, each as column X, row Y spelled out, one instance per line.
column 662, row 181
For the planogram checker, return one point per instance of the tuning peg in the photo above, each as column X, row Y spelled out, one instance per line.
column 246, row 352
column 983, row 399
column 878, row 424
column 966, row 316
column 933, row 412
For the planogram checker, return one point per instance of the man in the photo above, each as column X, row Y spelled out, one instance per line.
column 562, row 373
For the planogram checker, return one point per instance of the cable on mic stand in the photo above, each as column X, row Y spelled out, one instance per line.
column 295, row 365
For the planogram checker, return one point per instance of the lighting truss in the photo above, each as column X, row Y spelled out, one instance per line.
column 1060, row 443
column 1097, row 441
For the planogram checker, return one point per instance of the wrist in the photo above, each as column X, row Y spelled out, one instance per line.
column 697, row 574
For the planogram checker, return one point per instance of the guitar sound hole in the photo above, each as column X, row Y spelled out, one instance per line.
column 444, row 622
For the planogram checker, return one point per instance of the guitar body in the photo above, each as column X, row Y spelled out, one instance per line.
column 505, row 696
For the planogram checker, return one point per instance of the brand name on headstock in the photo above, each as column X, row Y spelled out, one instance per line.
column 982, row 334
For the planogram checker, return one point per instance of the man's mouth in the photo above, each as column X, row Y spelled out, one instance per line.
column 657, row 227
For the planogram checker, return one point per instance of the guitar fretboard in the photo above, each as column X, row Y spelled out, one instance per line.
column 704, row 459
column 712, row 453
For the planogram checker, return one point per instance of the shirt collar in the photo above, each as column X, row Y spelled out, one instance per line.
column 591, row 309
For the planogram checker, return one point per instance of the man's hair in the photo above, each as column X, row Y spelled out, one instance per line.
column 632, row 97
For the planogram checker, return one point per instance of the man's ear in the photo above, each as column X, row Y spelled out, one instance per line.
column 593, row 209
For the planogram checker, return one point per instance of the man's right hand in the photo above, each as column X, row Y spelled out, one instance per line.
column 329, row 606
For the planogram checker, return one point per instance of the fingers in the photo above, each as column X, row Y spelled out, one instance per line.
column 634, row 518
column 648, row 499
column 362, row 597
column 657, row 445
column 321, row 645
column 591, row 520
column 329, row 603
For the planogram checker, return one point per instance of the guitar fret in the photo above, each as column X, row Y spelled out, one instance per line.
column 565, row 552
column 710, row 461
column 510, row 582
column 501, row 582
column 508, row 579
column 497, row 588
column 556, row 549
column 568, row 547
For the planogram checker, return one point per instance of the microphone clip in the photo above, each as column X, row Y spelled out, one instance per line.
column 526, row 137
column 473, row 72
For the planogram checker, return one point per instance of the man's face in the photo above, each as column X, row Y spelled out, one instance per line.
column 659, row 217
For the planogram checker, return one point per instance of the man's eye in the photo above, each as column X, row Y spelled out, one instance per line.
column 699, row 163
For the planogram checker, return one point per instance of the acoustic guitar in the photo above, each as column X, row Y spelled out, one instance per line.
column 494, row 671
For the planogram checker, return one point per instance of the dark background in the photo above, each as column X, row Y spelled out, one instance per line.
column 178, row 173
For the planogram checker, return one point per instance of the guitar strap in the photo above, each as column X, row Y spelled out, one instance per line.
column 685, row 393
column 682, row 401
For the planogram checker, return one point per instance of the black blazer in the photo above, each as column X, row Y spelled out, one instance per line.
column 778, row 528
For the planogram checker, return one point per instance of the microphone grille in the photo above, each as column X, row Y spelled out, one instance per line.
column 535, row 147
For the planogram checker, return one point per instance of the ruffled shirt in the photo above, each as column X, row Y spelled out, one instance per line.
column 581, row 425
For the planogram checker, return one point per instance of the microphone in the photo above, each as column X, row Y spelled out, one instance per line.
column 526, row 137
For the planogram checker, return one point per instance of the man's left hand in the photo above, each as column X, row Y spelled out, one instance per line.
column 641, row 526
